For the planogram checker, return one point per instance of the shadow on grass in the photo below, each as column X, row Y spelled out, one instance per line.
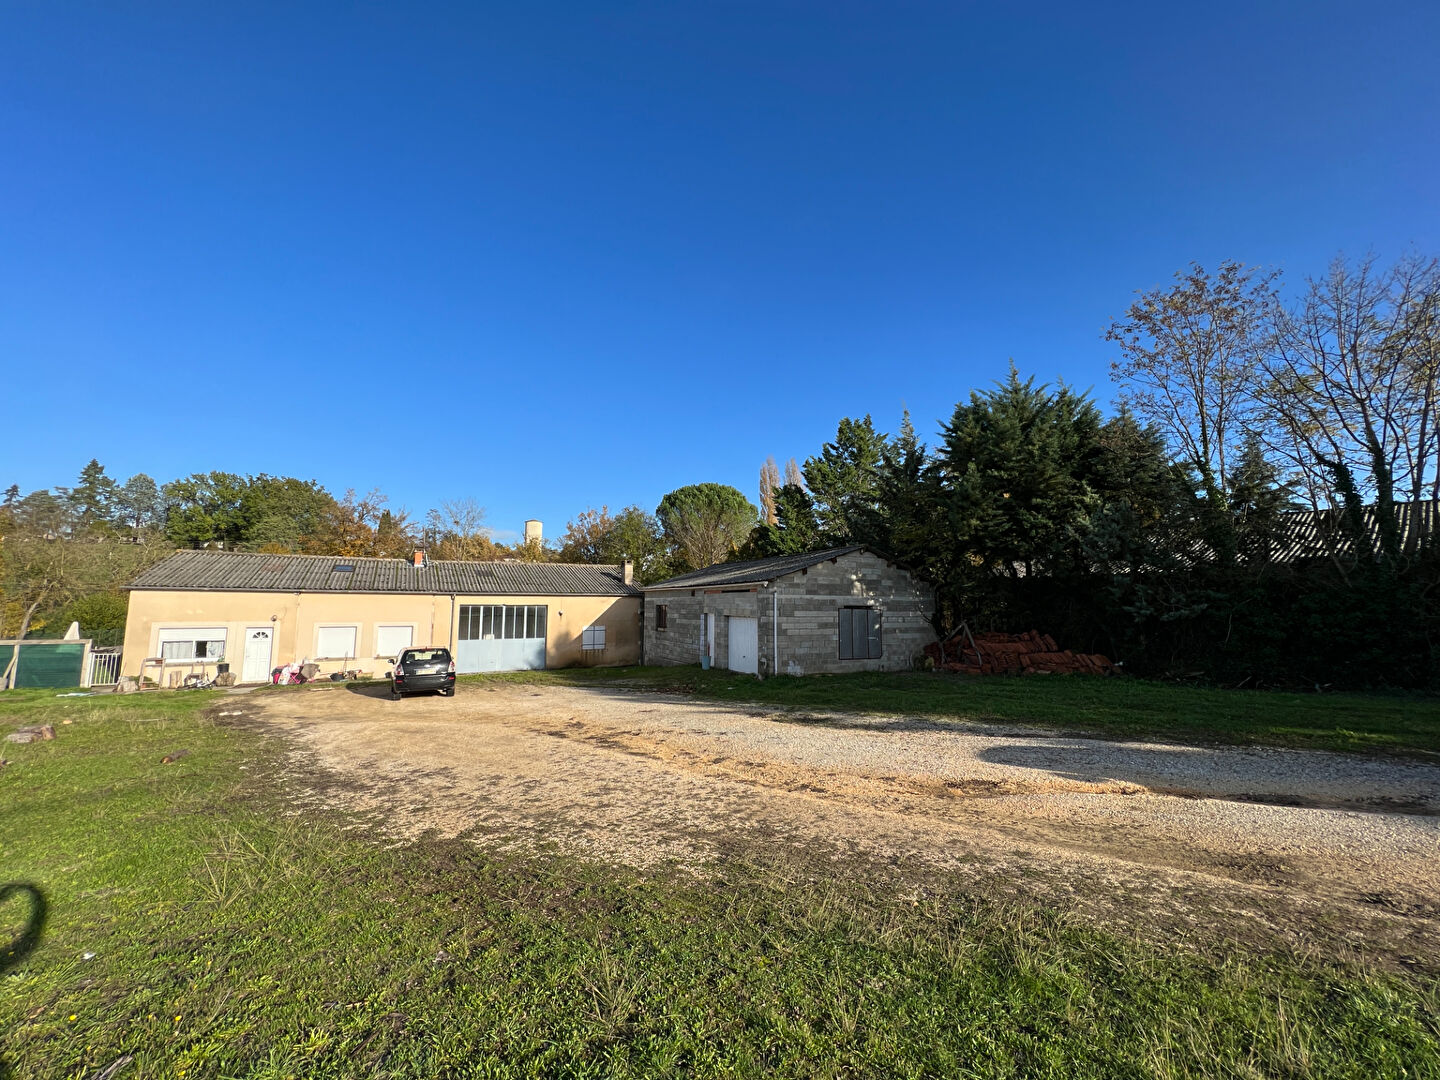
column 29, row 937
column 16, row 951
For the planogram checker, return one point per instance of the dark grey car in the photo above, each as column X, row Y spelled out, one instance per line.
column 419, row 670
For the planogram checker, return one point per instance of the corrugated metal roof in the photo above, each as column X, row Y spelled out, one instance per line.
column 245, row 572
column 1314, row 534
column 752, row 572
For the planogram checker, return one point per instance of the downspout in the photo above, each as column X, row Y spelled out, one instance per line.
column 775, row 627
column 451, row 635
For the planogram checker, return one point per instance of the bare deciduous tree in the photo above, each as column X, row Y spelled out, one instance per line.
column 1189, row 355
column 1349, row 388
column 458, row 531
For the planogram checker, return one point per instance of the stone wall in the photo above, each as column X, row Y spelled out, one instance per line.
column 809, row 604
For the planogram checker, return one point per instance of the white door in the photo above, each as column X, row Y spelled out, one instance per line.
column 258, row 646
column 744, row 645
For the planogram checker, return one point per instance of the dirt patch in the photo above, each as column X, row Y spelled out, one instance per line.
column 1293, row 843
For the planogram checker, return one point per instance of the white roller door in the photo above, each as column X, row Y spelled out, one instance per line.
column 744, row 645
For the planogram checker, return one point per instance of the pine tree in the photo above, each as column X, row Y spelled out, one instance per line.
column 93, row 498
column 841, row 479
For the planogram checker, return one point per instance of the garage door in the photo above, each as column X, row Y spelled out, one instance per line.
column 744, row 645
column 501, row 637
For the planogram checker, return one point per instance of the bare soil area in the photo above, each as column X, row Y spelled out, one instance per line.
column 1313, row 848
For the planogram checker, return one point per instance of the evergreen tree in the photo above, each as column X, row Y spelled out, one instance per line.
column 1016, row 464
column 842, row 479
column 1258, row 500
column 705, row 523
column 92, row 499
column 794, row 532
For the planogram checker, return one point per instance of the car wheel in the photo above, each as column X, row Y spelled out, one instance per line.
column 394, row 695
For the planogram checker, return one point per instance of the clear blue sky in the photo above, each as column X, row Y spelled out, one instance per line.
column 558, row 255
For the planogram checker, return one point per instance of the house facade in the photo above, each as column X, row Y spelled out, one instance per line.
column 256, row 612
column 845, row 609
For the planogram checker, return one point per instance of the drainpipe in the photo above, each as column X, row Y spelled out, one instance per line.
column 451, row 634
column 775, row 627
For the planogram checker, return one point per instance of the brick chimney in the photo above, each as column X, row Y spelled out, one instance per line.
column 627, row 572
column 420, row 560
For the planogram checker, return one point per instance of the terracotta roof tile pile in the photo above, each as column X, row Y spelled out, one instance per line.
column 1030, row 653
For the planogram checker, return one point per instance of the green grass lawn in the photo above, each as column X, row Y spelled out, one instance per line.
column 201, row 925
column 1113, row 708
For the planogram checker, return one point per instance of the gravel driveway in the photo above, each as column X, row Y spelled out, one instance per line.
column 649, row 778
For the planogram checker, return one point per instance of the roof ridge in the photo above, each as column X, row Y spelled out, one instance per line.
column 389, row 558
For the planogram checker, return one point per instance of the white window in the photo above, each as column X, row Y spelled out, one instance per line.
column 390, row 640
column 335, row 642
column 592, row 638
column 193, row 643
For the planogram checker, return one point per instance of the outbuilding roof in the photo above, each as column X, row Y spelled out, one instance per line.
column 754, row 571
column 232, row 571
column 1314, row 534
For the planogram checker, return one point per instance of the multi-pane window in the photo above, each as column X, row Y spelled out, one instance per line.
column 497, row 622
column 206, row 644
column 592, row 638
column 662, row 616
column 859, row 633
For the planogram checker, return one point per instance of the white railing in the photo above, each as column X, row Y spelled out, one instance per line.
column 104, row 667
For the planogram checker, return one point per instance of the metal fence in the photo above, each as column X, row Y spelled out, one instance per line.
column 104, row 667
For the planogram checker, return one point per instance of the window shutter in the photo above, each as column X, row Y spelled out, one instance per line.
column 335, row 642
column 392, row 640
column 847, row 649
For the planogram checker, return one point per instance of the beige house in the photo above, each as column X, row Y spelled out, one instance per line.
column 257, row 612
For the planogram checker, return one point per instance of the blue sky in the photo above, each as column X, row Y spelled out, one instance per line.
column 551, row 256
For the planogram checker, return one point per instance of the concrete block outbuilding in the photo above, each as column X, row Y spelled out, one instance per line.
column 840, row 610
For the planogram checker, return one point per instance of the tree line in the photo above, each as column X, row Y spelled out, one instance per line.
column 1163, row 535
column 66, row 553
column 1170, row 534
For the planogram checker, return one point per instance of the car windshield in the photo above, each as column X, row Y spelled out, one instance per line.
column 426, row 656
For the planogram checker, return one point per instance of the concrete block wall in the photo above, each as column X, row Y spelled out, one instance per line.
column 809, row 604
column 679, row 642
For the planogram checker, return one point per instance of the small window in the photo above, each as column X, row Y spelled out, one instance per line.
column 389, row 640
column 335, row 642
column 592, row 638
column 860, row 634
column 207, row 644
column 662, row 616
column 342, row 568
